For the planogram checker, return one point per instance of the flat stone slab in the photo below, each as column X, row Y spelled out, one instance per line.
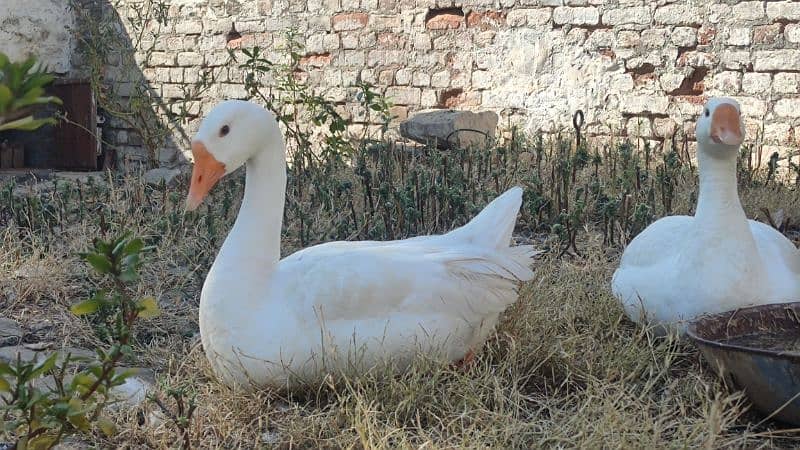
column 10, row 331
column 448, row 128
column 160, row 175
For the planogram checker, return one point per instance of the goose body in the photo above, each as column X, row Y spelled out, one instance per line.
column 681, row 267
column 266, row 321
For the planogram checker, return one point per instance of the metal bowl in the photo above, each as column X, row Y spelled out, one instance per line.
column 757, row 350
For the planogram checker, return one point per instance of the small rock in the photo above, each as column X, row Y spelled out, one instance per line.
column 10, row 332
column 270, row 437
column 442, row 127
column 161, row 175
column 10, row 354
column 136, row 387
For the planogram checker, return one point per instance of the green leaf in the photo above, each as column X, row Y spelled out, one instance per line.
column 6, row 96
column 77, row 415
column 46, row 366
column 25, row 102
column 148, row 308
column 83, row 380
column 134, row 246
column 4, row 385
column 27, row 123
column 42, row 442
column 5, row 368
column 108, row 427
column 99, row 262
column 128, row 275
column 85, row 307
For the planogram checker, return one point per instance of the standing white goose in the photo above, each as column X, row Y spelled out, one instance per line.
column 681, row 267
column 342, row 305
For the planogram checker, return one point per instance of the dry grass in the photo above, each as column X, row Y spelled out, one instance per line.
column 566, row 369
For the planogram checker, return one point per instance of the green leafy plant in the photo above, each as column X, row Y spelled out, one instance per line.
column 181, row 415
column 22, row 89
column 44, row 401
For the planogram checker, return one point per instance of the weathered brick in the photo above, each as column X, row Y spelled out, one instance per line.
column 778, row 132
column 756, row 83
column 189, row 27
column 349, row 40
column 735, row 60
column 484, row 38
column 399, row 112
column 186, row 59
column 422, row 42
column 421, row 79
column 786, row 83
column 739, row 36
column 600, row 39
column 445, row 21
column 486, row 20
column 706, row 34
column 391, row 40
column 784, row 59
column 576, row 16
column 351, row 58
column 766, row 34
column 684, row 36
column 679, row 14
column 751, row 106
column 404, row 95
column 788, row 107
column 623, row 16
column 403, row 76
column 729, row 82
column 441, row 79
column 627, row 39
column 320, row 60
column 350, row 21
column 264, row 7
column 654, row 37
column 783, row 10
column 792, row 33
column 482, row 79
column 752, row 10
column 161, row 59
column 697, row 59
column 643, row 104
column 429, row 98
column 671, row 80
column 532, row 17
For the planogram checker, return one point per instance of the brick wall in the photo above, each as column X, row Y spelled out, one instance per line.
column 635, row 67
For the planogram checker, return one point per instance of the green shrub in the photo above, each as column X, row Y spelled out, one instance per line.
column 22, row 89
column 42, row 402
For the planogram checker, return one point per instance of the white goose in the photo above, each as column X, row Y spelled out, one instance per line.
column 681, row 267
column 341, row 305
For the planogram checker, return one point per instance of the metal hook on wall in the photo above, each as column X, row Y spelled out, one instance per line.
column 577, row 122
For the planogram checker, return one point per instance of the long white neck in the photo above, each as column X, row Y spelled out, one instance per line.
column 254, row 243
column 718, row 207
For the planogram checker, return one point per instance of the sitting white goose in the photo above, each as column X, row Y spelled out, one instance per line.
column 341, row 305
column 681, row 267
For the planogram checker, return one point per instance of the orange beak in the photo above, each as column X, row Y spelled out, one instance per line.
column 726, row 125
column 205, row 174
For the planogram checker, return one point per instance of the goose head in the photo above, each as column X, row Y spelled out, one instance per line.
column 230, row 135
column 720, row 130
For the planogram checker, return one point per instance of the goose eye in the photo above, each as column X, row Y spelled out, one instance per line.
column 224, row 131
column 708, row 113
